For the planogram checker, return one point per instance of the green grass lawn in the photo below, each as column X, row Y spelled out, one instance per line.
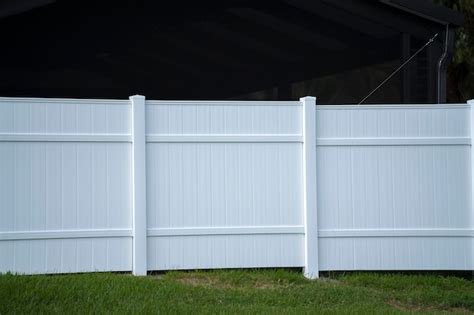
column 235, row 291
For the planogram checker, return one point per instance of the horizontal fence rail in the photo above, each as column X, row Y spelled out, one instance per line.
column 140, row 185
column 48, row 137
column 411, row 141
column 225, row 138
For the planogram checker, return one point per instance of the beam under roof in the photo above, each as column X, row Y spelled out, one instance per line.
column 343, row 17
column 290, row 29
column 249, row 42
column 12, row 7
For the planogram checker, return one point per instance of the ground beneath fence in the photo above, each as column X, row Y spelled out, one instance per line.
column 232, row 291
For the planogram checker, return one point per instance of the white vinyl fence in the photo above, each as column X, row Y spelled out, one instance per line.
column 135, row 185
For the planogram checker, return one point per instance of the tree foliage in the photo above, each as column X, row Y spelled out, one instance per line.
column 461, row 70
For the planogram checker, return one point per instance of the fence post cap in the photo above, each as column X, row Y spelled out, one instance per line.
column 137, row 96
column 308, row 98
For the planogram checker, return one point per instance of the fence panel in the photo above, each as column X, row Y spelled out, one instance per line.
column 64, row 186
column 394, row 187
column 224, row 185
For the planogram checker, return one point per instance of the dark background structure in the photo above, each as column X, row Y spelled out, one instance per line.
column 337, row 50
column 461, row 70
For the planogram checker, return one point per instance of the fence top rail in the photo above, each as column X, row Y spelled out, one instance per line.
column 230, row 103
column 221, row 103
column 63, row 100
column 394, row 106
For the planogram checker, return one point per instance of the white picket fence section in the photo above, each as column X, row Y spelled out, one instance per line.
column 138, row 185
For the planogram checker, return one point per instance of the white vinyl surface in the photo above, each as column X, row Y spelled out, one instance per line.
column 225, row 186
column 394, row 187
column 212, row 166
column 64, row 186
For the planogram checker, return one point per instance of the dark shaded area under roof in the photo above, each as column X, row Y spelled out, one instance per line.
column 221, row 49
column 428, row 10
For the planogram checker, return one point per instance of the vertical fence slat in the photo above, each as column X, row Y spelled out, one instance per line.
column 139, row 259
column 311, row 267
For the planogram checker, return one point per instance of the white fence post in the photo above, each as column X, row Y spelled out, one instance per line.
column 139, row 260
column 311, row 266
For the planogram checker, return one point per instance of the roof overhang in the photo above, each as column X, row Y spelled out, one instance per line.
column 428, row 10
column 12, row 7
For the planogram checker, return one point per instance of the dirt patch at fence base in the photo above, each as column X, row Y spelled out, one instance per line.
column 194, row 280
